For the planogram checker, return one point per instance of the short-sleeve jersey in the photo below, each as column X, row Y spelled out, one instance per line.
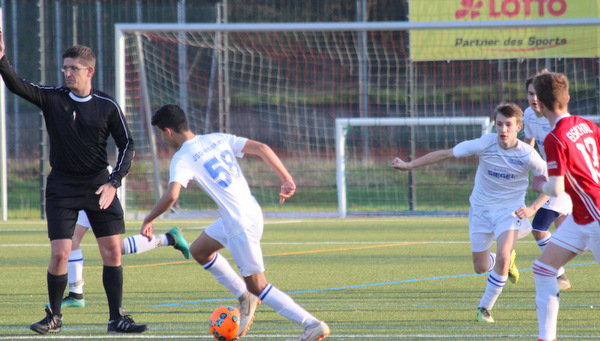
column 572, row 152
column 210, row 161
column 502, row 176
column 536, row 128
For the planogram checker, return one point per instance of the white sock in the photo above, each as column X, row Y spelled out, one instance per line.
column 543, row 242
column 547, row 300
column 492, row 261
column 225, row 275
column 162, row 239
column 75, row 271
column 285, row 306
column 139, row 243
column 495, row 284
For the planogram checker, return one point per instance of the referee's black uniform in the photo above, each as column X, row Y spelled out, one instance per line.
column 78, row 129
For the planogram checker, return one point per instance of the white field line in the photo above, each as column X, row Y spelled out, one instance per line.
column 411, row 242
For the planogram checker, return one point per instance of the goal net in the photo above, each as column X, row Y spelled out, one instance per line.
column 286, row 84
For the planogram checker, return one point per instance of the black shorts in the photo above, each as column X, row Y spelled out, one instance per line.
column 66, row 195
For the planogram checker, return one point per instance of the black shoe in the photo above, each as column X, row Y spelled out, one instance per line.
column 125, row 324
column 49, row 324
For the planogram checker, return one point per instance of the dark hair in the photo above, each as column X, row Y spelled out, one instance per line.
column 552, row 90
column 170, row 116
column 84, row 53
column 529, row 80
column 509, row 110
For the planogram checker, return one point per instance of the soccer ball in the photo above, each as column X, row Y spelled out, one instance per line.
column 224, row 323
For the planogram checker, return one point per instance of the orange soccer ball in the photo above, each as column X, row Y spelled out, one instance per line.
column 225, row 323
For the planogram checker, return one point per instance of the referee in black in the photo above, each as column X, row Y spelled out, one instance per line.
column 79, row 120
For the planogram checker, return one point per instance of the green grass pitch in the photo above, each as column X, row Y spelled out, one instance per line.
column 404, row 278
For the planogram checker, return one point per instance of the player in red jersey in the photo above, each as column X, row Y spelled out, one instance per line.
column 574, row 167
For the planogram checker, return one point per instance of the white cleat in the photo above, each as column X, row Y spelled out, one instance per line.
column 316, row 331
column 247, row 307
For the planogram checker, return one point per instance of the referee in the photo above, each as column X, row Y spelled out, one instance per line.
column 79, row 120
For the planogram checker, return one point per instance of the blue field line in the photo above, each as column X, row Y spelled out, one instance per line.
column 353, row 286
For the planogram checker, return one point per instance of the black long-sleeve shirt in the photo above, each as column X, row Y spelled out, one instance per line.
column 78, row 127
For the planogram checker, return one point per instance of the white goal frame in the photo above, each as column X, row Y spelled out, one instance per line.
column 341, row 128
column 126, row 28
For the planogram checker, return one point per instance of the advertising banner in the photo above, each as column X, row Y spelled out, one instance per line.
column 499, row 42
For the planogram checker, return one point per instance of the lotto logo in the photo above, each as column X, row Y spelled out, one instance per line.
column 511, row 8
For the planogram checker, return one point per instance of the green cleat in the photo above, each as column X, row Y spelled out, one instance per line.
column 179, row 242
column 71, row 302
column 483, row 315
column 513, row 271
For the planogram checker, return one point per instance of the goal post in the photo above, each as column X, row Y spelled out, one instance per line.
column 341, row 128
column 293, row 86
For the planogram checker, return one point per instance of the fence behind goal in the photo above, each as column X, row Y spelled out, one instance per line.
column 286, row 84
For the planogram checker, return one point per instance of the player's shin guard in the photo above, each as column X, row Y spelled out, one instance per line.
column 495, row 284
column 285, row 306
column 547, row 299
column 75, row 271
column 225, row 275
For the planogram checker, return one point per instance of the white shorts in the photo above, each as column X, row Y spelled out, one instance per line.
column 561, row 204
column 485, row 225
column 82, row 219
column 243, row 243
column 578, row 238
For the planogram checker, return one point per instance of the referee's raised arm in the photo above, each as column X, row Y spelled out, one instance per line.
column 1, row 43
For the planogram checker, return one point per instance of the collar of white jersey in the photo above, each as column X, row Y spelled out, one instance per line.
column 80, row 99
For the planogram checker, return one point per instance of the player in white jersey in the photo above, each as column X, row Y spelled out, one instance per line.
column 131, row 244
column 210, row 162
column 497, row 199
column 556, row 209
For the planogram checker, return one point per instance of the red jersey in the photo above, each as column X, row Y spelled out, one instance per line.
column 572, row 151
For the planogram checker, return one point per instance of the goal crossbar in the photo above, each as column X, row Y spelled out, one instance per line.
column 349, row 26
column 341, row 128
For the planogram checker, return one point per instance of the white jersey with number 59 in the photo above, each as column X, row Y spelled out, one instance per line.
column 210, row 161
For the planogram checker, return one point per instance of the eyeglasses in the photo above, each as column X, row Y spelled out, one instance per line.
column 73, row 68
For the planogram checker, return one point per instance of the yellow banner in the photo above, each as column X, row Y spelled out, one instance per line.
column 502, row 43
